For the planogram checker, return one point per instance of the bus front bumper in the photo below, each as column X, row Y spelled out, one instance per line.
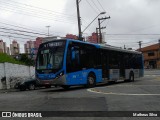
column 57, row 81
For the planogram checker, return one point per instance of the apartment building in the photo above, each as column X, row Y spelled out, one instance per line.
column 151, row 56
column 4, row 48
column 15, row 48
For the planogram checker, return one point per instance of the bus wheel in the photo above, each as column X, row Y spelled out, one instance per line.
column 91, row 80
column 66, row 87
column 31, row 87
column 131, row 77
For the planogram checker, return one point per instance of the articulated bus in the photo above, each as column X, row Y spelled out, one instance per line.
column 68, row 62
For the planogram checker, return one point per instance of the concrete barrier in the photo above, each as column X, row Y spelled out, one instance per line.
column 11, row 73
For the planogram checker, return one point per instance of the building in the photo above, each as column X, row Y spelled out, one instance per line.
column 46, row 39
column 71, row 36
column 4, row 48
column 93, row 38
column 8, row 51
column 15, row 48
column 29, row 46
column 151, row 56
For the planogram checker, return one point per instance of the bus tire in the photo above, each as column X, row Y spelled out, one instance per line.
column 31, row 87
column 47, row 86
column 66, row 87
column 131, row 76
column 91, row 80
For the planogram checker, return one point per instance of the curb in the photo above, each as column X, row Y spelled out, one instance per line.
column 8, row 90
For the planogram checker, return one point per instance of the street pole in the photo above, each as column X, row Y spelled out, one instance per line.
column 159, row 52
column 79, row 21
column 99, row 23
column 97, row 34
column 100, row 35
column 48, row 29
column 10, row 44
column 140, row 44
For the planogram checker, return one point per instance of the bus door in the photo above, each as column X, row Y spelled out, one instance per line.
column 105, row 68
column 73, row 65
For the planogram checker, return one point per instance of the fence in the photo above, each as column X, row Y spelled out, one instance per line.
column 11, row 73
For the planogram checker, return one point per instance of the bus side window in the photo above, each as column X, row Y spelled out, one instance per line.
column 73, row 61
column 73, row 54
column 68, row 62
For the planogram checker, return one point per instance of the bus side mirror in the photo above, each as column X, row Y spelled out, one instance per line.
column 73, row 54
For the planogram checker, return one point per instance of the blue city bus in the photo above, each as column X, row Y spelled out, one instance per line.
column 68, row 62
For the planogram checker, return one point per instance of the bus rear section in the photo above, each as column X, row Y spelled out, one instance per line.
column 120, row 64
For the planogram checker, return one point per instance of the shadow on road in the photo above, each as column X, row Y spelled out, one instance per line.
column 73, row 88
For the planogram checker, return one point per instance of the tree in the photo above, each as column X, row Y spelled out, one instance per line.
column 24, row 58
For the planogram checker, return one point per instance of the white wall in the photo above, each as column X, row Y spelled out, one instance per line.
column 1, row 74
column 13, row 73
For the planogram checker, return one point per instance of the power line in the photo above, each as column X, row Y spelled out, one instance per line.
column 92, row 7
column 134, row 34
column 20, row 27
column 37, row 16
column 22, row 31
column 14, row 37
column 16, row 26
column 96, row 6
column 30, row 10
column 39, row 8
column 17, row 33
column 101, row 6
column 8, row 5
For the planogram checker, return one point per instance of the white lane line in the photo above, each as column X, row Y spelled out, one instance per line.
column 132, row 85
column 93, row 90
column 153, row 75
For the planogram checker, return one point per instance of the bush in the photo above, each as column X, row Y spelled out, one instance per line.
column 7, row 58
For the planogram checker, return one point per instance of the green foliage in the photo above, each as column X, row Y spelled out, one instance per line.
column 24, row 58
column 6, row 58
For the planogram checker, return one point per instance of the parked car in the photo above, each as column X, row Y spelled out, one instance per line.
column 30, row 84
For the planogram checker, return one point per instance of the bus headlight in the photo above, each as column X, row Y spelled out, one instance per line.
column 60, row 74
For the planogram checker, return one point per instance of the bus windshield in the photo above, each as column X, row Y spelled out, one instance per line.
column 50, row 56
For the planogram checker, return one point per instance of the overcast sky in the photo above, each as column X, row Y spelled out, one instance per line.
column 131, row 20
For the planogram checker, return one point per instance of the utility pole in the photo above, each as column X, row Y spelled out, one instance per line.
column 98, row 33
column 79, row 20
column 48, row 29
column 140, row 44
column 159, row 50
column 10, row 44
column 99, row 23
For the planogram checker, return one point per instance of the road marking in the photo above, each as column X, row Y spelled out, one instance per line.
column 152, row 75
column 111, row 93
column 131, row 85
column 158, row 78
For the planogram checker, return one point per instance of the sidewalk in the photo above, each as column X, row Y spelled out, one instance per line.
column 8, row 90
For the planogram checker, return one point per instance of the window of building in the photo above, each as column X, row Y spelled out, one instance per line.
column 151, row 53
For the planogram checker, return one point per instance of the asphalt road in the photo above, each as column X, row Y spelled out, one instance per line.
column 141, row 95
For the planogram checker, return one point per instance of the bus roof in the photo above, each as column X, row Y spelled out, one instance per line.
column 108, row 47
column 100, row 46
column 118, row 49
